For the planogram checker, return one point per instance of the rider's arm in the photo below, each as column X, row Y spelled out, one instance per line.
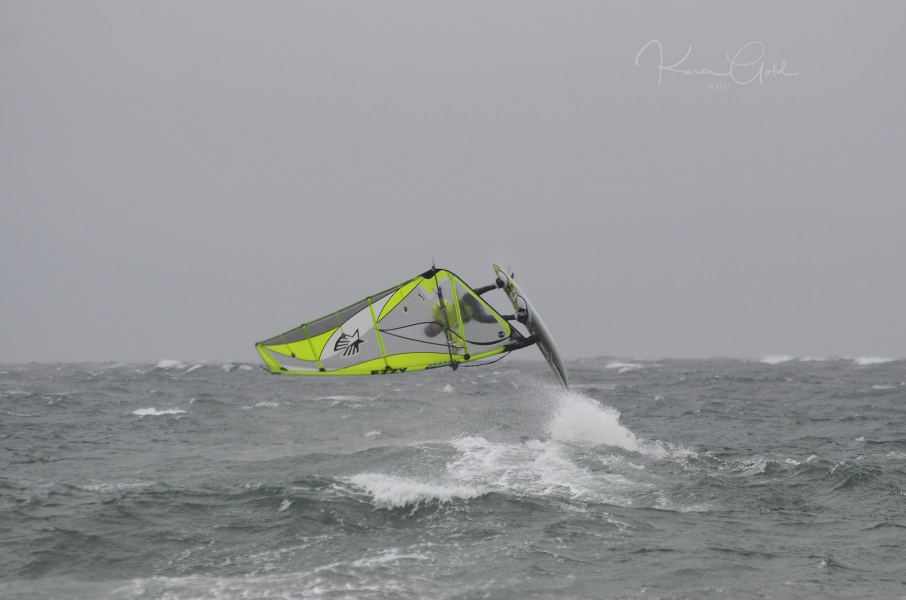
column 485, row 288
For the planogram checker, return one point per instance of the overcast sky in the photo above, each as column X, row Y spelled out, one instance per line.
column 181, row 179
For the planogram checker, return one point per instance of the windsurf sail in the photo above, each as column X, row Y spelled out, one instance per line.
column 432, row 320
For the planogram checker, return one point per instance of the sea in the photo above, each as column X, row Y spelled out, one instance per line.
column 782, row 477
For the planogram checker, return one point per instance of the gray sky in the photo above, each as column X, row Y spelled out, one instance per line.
column 181, row 179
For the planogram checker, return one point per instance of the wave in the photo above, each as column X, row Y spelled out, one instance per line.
column 173, row 364
column 262, row 404
column 377, row 573
column 567, row 465
column 391, row 491
column 113, row 486
column 536, row 468
column 167, row 363
column 776, row 359
column 864, row 361
column 580, row 419
column 154, row 412
column 623, row 367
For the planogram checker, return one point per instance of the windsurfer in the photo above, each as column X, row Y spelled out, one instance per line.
column 470, row 309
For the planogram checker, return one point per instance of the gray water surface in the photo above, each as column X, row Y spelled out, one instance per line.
column 670, row 479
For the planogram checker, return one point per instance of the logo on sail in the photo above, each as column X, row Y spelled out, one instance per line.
column 349, row 344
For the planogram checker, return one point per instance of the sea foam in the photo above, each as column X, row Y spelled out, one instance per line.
column 580, row 419
column 534, row 468
column 623, row 367
column 776, row 359
column 154, row 412
column 391, row 491
column 864, row 361
column 166, row 363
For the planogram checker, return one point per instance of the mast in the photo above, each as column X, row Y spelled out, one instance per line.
column 446, row 323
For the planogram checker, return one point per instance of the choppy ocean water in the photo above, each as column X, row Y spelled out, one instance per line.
column 670, row 479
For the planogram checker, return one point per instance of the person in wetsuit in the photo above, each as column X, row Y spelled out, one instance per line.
column 470, row 309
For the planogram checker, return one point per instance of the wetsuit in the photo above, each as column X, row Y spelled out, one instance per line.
column 470, row 309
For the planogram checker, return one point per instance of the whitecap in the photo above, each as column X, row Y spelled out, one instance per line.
column 448, row 389
column 153, row 412
column 794, row 462
column 535, row 468
column 267, row 404
column 863, row 361
column 305, row 584
column 883, row 387
column 755, row 466
column 391, row 555
column 391, row 491
column 113, row 486
column 193, row 368
column 776, row 359
column 166, row 363
column 374, row 433
column 581, row 419
column 623, row 367
column 284, row 506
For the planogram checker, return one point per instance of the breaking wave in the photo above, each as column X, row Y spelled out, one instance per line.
column 864, row 361
column 573, row 463
column 391, row 491
column 579, row 419
column 166, row 363
column 623, row 367
column 776, row 359
column 154, row 412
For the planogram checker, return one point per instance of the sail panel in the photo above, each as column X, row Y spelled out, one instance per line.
column 431, row 320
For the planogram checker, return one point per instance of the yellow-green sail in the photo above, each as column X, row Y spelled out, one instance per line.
column 432, row 320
